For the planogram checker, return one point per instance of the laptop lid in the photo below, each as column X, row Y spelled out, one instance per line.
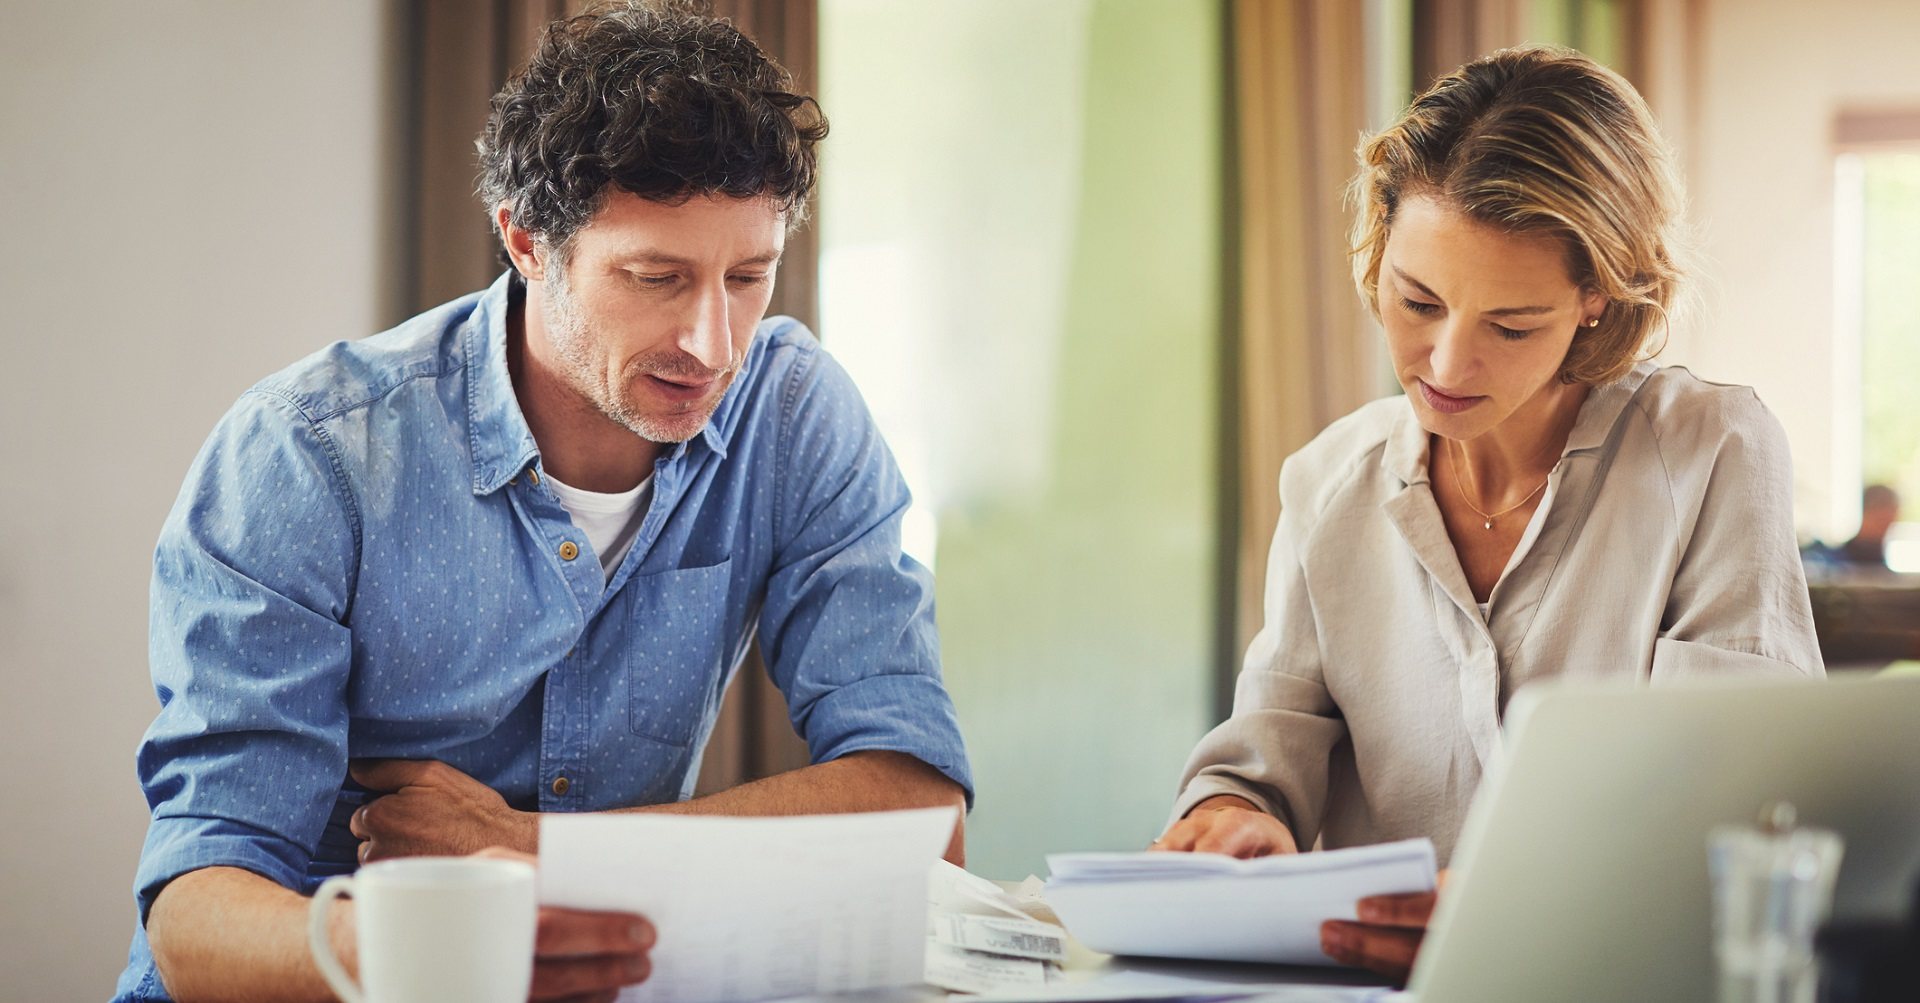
column 1581, row 870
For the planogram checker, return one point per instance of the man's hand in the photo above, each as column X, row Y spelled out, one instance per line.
column 585, row 955
column 1229, row 825
column 1388, row 935
column 428, row 808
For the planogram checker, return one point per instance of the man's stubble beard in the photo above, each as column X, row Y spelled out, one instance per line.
column 572, row 341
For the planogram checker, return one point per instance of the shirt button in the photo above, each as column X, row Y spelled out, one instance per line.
column 568, row 551
column 534, row 476
column 560, row 786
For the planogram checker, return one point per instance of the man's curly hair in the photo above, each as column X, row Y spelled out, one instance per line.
column 656, row 98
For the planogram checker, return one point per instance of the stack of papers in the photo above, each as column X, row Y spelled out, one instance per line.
column 756, row 908
column 1210, row 907
column 981, row 939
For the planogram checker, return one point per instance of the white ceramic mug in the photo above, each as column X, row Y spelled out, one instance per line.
column 432, row 928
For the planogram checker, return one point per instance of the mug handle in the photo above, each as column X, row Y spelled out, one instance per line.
column 322, row 945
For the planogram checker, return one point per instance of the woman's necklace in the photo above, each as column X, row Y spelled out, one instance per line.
column 1467, row 473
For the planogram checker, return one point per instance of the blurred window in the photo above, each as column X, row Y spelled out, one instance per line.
column 1887, row 188
column 1022, row 266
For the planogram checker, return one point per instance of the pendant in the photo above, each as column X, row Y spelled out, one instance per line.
column 1489, row 523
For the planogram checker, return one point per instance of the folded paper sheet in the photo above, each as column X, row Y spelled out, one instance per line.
column 756, row 908
column 1215, row 908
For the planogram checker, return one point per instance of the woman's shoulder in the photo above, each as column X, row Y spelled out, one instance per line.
column 1689, row 415
column 1697, row 433
column 1347, row 446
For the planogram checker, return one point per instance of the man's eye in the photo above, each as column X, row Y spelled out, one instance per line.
column 748, row 280
column 656, row 281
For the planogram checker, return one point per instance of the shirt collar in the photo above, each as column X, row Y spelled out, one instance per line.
column 501, row 442
column 1405, row 456
column 497, row 431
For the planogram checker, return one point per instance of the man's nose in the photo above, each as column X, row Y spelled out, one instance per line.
column 708, row 337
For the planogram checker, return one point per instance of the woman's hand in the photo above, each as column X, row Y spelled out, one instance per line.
column 1387, row 937
column 1230, row 825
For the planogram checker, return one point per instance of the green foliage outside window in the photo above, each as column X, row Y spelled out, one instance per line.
column 1890, row 327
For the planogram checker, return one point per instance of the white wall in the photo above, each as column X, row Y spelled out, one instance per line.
column 1775, row 74
column 191, row 201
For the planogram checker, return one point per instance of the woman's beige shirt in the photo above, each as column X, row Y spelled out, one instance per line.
column 1370, row 702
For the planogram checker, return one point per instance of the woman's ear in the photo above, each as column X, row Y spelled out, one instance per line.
column 1593, row 306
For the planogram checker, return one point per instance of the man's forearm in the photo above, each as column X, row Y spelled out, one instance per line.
column 436, row 809
column 223, row 933
column 860, row 781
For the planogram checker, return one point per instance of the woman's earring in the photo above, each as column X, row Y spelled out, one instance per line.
column 1593, row 322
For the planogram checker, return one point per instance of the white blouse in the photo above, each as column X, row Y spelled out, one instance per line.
column 1370, row 701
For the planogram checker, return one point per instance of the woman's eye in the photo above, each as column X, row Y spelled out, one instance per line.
column 655, row 281
column 1418, row 307
column 1510, row 334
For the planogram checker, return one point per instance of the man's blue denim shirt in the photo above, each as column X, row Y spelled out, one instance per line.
column 361, row 564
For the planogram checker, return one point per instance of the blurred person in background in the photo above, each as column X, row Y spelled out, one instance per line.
column 1542, row 502
column 1879, row 510
column 421, row 588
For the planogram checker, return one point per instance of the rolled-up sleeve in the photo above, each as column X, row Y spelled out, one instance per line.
column 249, row 653
column 848, row 623
column 1274, row 749
column 1739, row 602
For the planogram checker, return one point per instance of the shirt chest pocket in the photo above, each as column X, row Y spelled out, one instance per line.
column 676, row 651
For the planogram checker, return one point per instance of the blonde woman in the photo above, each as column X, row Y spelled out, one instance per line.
column 1542, row 501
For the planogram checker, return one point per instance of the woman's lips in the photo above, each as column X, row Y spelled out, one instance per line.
column 1445, row 403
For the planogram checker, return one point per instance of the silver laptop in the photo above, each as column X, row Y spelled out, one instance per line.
column 1581, row 871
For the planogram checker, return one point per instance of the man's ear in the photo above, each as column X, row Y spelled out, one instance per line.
column 519, row 244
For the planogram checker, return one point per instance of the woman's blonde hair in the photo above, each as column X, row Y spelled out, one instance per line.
column 1541, row 140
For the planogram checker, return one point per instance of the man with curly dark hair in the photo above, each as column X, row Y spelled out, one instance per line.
column 502, row 560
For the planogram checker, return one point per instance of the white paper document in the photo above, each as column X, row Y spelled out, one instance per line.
column 1216, row 908
column 756, row 908
column 954, row 889
column 967, row 971
column 980, row 939
column 1001, row 935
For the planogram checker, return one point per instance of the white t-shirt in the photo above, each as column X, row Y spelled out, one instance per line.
column 611, row 522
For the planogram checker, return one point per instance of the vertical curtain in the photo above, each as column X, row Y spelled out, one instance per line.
column 1447, row 33
column 459, row 53
column 1307, row 351
column 1664, row 59
column 1655, row 44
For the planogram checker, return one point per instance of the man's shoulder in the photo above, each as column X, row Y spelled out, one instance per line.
column 346, row 376
column 783, row 361
column 782, row 349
